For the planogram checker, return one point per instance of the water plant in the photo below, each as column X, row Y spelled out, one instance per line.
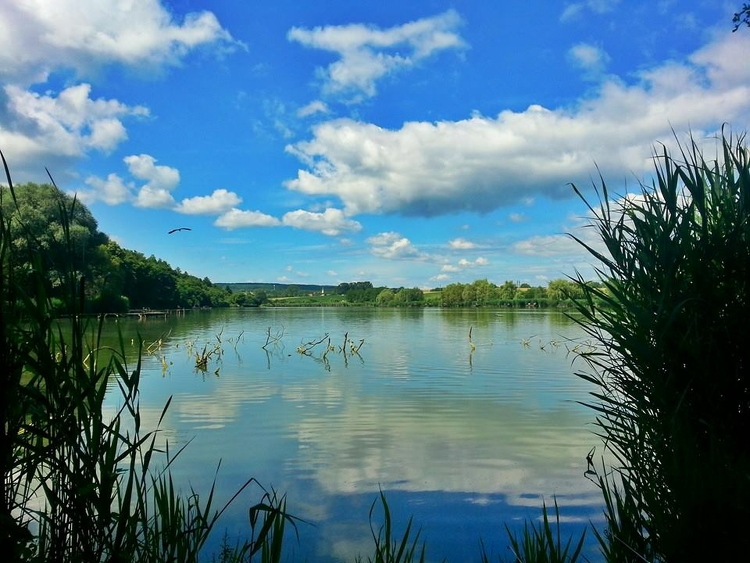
column 80, row 482
column 542, row 542
column 670, row 369
column 387, row 547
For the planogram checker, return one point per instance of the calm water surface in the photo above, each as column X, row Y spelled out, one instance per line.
column 463, row 435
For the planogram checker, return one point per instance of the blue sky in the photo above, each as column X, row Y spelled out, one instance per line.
column 405, row 143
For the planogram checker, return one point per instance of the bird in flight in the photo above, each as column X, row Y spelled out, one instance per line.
column 180, row 229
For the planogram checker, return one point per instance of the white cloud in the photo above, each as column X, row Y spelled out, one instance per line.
column 546, row 246
column 331, row 222
column 482, row 163
column 236, row 219
column 160, row 181
column 574, row 10
column 219, row 202
column 464, row 264
column 449, row 268
column 154, row 198
column 461, row 244
column 38, row 36
column 144, row 167
column 591, row 59
column 393, row 246
column 312, row 108
column 40, row 128
column 112, row 191
column 367, row 53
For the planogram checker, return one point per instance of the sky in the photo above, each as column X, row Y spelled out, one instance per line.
column 412, row 144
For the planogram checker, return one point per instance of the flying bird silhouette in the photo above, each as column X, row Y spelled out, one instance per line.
column 179, row 229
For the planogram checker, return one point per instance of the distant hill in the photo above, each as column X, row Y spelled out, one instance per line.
column 277, row 287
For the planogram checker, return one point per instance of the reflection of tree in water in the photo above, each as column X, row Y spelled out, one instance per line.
column 274, row 346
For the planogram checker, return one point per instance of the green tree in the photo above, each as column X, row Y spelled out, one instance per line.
column 452, row 295
column 469, row 295
column 409, row 297
column 484, row 292
column 242, row 299
column 260, row 297
column 385, row 298
column 53, row 235
column 562, row 289
column 507, row 291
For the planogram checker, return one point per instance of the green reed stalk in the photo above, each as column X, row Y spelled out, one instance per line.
column 672, row 393
column 542, row 543
column 388, row 548
column 77, row 485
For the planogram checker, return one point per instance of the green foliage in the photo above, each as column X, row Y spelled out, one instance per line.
column 482, row 293
column 385, row 298
column 79, row 484
column 51, row 234
column 541, row 543
column 408, row 297
column 388, row 548
column 359, row 292
column 46, row 248
column 672, row 392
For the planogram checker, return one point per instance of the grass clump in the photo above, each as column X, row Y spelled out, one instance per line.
column 388, row 548
column 542, row 543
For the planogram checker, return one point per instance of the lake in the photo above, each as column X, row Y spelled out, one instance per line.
column 466, row 419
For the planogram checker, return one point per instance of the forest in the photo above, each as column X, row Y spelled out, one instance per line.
column 65, row 238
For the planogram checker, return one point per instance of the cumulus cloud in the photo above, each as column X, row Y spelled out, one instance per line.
column 482, row 163
column 237, row 218
column 112, row 190
column 393, row 246
column 547, row 246
column 160, row 181
column 219, row 202
column 331, row 222
column 367, row 53
column 39, row 36
column 155, row 193
column 39, row 127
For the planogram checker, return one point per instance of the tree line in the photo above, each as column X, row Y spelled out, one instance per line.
column 55, row 234
column 482, row 293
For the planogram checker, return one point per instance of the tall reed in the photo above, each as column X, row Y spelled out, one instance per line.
column 672, row 393
column 79, row 485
